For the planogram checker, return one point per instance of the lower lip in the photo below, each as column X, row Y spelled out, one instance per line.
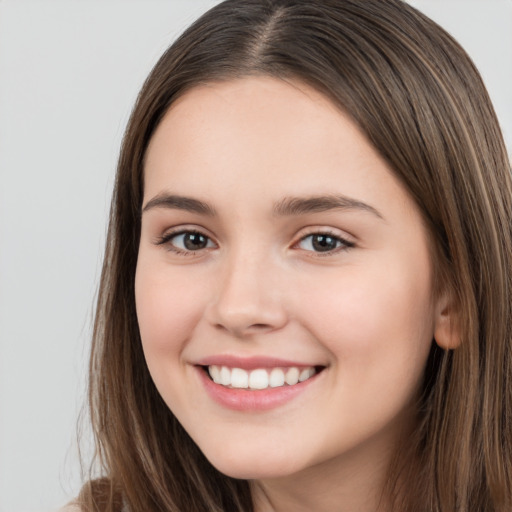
column 252, row 400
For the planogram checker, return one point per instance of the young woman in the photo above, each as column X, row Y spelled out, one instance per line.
column 306, row 296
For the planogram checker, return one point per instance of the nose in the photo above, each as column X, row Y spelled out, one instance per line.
column 248, row 299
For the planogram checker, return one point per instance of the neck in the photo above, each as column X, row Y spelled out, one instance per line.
column 323, row 490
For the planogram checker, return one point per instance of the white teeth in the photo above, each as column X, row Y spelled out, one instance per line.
column 214, row 372
column 239, row 378
column 225, row 376
column 276, row 378
column 306, row 374
column 292, row 376
column 260, row 378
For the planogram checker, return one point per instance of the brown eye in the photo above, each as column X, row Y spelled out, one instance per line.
column 323, row 243
column 187, row 241
column 194, row 241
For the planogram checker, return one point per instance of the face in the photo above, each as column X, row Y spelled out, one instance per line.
column 283, row 284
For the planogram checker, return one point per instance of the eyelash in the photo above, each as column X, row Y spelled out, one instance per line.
column 343, row 243
column 166, row 239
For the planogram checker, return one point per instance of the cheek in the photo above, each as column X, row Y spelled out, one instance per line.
column 374, row 321
column 378, row 328
column 168, row 309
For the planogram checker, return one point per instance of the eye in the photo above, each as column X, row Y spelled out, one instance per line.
column 186, row 241
column 323, row 243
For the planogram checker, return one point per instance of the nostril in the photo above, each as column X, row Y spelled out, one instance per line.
column 246, row 317
column 244, row 330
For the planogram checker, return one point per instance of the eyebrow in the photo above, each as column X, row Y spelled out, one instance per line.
column 176, row 202
column 289, row 206
column 314, row 204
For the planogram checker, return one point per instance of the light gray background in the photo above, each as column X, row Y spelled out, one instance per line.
column 69, row 74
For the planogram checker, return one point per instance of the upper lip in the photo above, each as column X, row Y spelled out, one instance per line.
column 251, row 363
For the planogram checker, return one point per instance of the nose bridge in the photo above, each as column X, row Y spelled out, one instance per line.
column 248, row 298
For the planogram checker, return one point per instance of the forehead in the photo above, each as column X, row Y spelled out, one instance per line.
column 262, row 106
column 258, row 127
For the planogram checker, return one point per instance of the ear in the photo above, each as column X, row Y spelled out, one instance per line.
column 447, row 322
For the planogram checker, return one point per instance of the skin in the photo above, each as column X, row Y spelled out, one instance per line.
column 364, row 310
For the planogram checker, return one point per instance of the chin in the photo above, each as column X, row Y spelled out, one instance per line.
column 249, row 471
column 252, row 466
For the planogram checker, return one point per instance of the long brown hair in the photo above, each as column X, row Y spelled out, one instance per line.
column 419, row 100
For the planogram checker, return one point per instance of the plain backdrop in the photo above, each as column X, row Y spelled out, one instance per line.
column 69, row 74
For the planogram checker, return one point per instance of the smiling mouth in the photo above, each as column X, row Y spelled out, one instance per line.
column 260, row 378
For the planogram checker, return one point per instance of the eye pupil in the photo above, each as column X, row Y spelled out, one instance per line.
column 194, row 241
column 324, row 243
